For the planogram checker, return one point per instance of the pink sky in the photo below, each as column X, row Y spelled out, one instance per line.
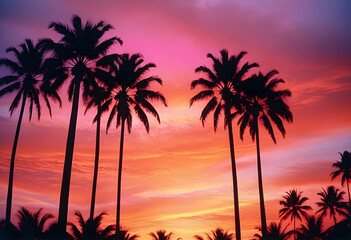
column 178, row 177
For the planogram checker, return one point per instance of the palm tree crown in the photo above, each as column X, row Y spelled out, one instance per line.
column 262, row 101
column 218, row 234
column 161, row 235
column 343, row 169
column 274, row 232
column 312, row 230
column 331, row 201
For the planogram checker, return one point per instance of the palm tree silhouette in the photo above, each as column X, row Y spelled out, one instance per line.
column 161, row 235
column 274, row 232
column 262, row 101
column 313, row 229
column 77, row 50
column 331, row 201
column 31, row 225
column 124, row 234
column 90, row 229
column 218, row 234
column 29, row 82
column 129, row 88
column 221, row 87
column 97, row 96
column 343, row 169
column 293, row 206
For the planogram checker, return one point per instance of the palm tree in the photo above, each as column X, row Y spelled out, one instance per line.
column 221, row 88
column 313, row 230
column 97, row 97
column 331, row 201
column 262, row 101
column 130, row 88
column 90, row 229
column 31, row 225
column 293, row 206
column 343, row 169
column 29, row 82
column 274, row 232
column 161, row 235
column 79, row 47
column 218, row 234
column 124, row 234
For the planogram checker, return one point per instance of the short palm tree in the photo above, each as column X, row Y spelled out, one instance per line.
column 221, row 88
column 344, row 169
column 274, row 232
column 130, row 88
column 263, row 102
column 293, row 206
column 31, row 225
column 312, row 230
column 124, row 234
column 97, row 97
column 218, row 234
column 161, row 235
column 90, row 229
column 332, row 202
column 29, row 82
column 75, row 53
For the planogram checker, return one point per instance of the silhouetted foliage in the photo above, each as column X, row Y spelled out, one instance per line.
column 293, row 206
column 78, row 48
column 221, row 87
column 218, row 234
column 344, row 169
column 331, row 201
column 29, row 82
column 312, row 230
column 274, row 232
column 161, row 235
column 124, row 234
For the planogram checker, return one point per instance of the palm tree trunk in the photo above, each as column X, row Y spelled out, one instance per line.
column 12, row 163
column 235, row 180
column 294, row 230
column 96, row 165
column 260, row 185
column 66, row 178
column 119, row 179
column 348, row 191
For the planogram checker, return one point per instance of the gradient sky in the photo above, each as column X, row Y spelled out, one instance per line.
column 178, row 177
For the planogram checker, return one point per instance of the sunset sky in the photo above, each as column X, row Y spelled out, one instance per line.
column 178, row 177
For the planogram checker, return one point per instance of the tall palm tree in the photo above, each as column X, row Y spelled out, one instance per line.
column 29, row 82
column 161, row 235
column 293, row 206
column 129, row 88
column 344, row 169
column 331, row 201
column 262, row 101
column 221, row 87
column 31, row 225
column 77, row 50
column 218, row 234
column 97, row 96
column 90, row 229
column 274, row 232
column 312, row 230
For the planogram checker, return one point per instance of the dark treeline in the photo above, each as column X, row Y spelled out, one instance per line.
column 119, row 83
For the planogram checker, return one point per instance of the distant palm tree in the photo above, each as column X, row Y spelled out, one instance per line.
column 312, row 230
column 75, row 53
column 130, row 88
column 274, row 232
column 343, row 169
column 31, row 225
column 331, row 201
column 218, row 234
column 124, row 234
column 222, row 89
column 161, row 235
column 293, row 206
column 262, row 101
column 90, row 229
column 29, row 82
column 97, row 96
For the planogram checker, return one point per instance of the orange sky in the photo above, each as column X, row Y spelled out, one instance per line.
column 178, row 177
